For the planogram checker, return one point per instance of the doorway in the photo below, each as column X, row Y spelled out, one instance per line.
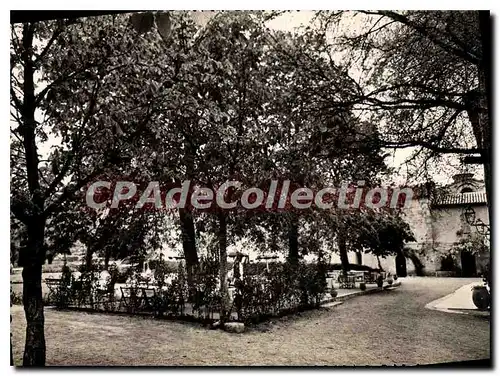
column 468, row 261
column 401, row 265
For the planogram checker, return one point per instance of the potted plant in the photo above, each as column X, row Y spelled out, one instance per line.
column 362, row 286
column 481, row 297
column 334, row 293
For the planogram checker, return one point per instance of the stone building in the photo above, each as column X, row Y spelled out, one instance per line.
column 436, row 217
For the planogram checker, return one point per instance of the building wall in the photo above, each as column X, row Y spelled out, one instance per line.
column 419, row 217
column 437, row 230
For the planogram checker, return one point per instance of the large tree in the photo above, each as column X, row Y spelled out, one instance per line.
column 75, row 83
column 336, row 145
column 232, row 86
column 308, row 143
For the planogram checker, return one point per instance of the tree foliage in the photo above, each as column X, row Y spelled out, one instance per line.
column 156, row 97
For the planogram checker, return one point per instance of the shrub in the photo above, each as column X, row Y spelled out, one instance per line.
column 83, row 289
column 161, row 270
column 121, row 276
column 115, row 276
column 285, row 288
column 63, row 295
column 206, row 298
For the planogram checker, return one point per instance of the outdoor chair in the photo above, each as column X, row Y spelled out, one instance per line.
column 148, row 297
column 53, row 284
column 131, row 298
column 104, row 296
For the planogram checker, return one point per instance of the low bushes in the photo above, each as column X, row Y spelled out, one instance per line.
column 284, row 289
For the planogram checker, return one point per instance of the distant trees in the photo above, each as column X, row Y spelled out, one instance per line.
column 382, row 234
column 339, row 147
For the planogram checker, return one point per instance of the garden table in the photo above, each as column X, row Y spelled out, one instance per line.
column 359, row 276
column 136, row 297
column 347, row 282
column 371, row 277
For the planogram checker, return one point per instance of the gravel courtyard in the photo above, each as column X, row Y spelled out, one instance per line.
column 392, row 327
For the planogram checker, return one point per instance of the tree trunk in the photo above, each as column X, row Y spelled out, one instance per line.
column 11, row 354
column 485, row 81
column 107, row 256
column 379, row 264
column 419, row 267
column 222, row 239
column 344, row 259
column 88, row 257
column 479, row 108
column 293, row 240
column 488, row 188
column 34, row 350
column 33, row 257
column 189, row 246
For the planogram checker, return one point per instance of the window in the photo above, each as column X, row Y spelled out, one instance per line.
column 466, row 190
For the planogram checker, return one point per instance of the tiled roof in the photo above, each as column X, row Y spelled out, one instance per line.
column 461, row 199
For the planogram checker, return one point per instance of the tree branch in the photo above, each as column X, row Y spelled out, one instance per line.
column 430, row 146
column 466, row 55
column 56, row 33
column 76, row 143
